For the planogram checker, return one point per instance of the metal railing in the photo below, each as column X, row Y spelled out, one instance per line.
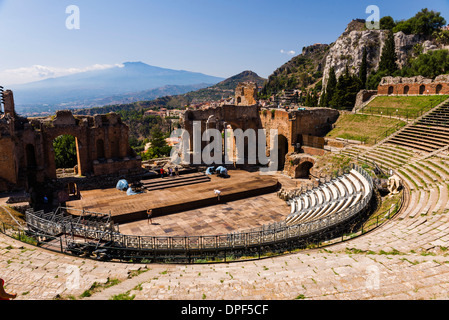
column 59, row 222
column 82, row 239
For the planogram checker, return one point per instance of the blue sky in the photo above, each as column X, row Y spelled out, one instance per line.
column 216, row 37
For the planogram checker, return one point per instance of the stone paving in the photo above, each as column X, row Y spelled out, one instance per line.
column 219, row 219
column 338, row 272
column 407, row 258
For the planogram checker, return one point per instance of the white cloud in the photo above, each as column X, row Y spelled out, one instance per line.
column 289, row 53
column 38, row 72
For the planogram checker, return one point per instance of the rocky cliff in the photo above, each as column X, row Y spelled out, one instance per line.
column 348, row 49
column 303, row 70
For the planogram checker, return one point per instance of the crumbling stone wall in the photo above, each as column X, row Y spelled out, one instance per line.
column 299, row 166
column 246, row 94
column 220, row 118
column 363, row 97
column 303, row 128
column 414, row 85
column 26, row 146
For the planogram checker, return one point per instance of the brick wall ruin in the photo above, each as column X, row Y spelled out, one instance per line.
column 298, row 130
column 26, row 146
column 246, row 94
column 414, row 86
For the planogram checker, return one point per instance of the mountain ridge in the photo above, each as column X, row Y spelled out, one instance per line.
column 222, row 90
column 81, row 88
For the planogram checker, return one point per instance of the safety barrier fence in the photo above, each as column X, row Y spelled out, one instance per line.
column 108, row 244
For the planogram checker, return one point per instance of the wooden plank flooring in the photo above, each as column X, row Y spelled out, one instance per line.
column 123, row 208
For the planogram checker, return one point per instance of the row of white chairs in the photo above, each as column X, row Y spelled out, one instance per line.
column 328, row 199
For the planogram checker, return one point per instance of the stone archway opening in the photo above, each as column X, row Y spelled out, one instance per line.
column 66, row 156
column 406, row 89
column 390, row 90
column 282, row 151
column 439, row 88
column 31, row 165
column 422, row 89
column 72, row 190
column 303, row 170
column 101, row 154
column 239, row 100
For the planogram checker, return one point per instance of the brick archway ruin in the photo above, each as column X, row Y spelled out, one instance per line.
column 406, row 89
column 26, row 146
column 422, row 89
column 306, row 127
column 299, row 166
column 390, row 90
column 414, row 85
column 302, row 171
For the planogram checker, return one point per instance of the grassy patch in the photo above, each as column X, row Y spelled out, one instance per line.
column 123, row 296
column 5, row 216
column 403, row 106
column 388, row 203
column 97, row 287
column 365, row 128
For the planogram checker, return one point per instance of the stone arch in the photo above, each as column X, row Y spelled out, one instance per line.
column 302, row 171
column 241, row 130
column 390, row 90
column 422, row 89
column 31, row 165
column 439, row 88
column 100, row 149
column 30, row 156
column 211, row 122
column 406, row 89
column 81, row 150
column 78, row 145
column 282, row 151
column 72, row 189
column 115, row 148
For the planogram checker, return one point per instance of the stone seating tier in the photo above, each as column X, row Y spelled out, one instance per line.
column 330, row 198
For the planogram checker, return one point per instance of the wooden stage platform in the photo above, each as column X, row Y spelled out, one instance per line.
column 125, row 209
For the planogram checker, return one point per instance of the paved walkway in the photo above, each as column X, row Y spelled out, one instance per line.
column 364, row 268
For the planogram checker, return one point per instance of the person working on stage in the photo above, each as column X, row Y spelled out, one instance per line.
column 150, row 216
column 217, row 193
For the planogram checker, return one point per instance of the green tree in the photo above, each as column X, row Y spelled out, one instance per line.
column 442, row 37
column 346, row 91
column 429, row 65
column 404, row 26
column 159, row 147
column 387, row 23
column 311, row 99
column 330, row 89
column 65, row 151
column 424, row 22
column 389, row 57
column 363, row 73
column 374, row 79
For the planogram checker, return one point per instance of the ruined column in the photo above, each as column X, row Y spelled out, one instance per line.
column 9, row 107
